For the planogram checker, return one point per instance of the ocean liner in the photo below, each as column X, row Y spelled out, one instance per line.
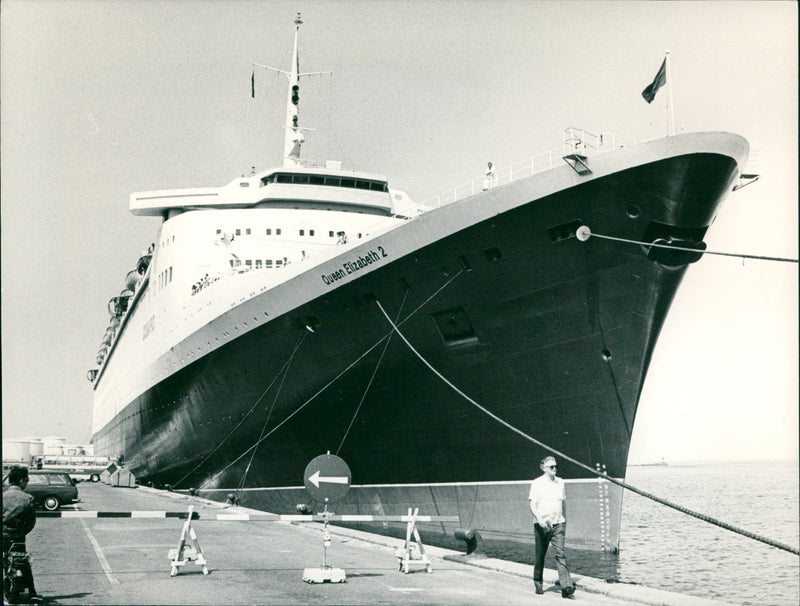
column 310, row 309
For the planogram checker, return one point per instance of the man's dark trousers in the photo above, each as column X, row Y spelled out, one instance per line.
column 544, row 538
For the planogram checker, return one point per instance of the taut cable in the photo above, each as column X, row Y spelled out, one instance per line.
column 583, row 233
column 591, row 470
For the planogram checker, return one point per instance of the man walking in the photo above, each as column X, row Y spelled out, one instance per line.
column 547, row 497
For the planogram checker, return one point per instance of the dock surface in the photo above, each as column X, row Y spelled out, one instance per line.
column 124, row 560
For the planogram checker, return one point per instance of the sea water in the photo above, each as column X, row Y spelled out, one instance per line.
column 666, row 549
column 661, row 547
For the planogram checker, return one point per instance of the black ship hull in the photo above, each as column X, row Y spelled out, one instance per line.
column 552, row 334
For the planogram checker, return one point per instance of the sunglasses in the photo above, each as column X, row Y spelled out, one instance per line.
column 551, row 466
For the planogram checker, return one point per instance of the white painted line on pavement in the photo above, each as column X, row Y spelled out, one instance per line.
column 99, row 552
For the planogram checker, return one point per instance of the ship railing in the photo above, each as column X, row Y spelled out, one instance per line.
column 575, row 141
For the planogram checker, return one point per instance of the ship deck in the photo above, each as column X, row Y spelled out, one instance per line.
column 123, row 560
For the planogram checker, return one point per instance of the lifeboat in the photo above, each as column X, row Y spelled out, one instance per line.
column 117, row 306
column 132, row 279
column 143, row 264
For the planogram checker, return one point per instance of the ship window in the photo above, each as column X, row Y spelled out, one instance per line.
column 310, row 232
column 247, row 231
column 278, row 232
column 249, row 263
column 268, row 263
column 330, row 180
column 219, row 231
column 302, row 232
column 330, row 234
column 269, row 231
column 258, row 263
column 278, row 263
column 238, row 232
column 170, row 273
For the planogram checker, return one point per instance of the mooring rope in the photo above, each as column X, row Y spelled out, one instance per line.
column 239, row 424
column 271, row 408
column 372, row 377
column 593, row 471
column 583, row 233
column 332, row 381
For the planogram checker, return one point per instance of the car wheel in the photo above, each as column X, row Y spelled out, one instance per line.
column 51, row 503
column 94, row 477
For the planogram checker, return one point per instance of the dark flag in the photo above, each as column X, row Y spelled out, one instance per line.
column 661, row 78
column 253, row 84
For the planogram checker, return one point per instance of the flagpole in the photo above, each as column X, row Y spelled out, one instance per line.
column 670, row 106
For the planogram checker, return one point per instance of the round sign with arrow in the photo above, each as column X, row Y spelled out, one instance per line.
column 327, row 478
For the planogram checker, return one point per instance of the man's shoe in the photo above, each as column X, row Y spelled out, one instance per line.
column 539, row 589
column 35, row 599
column 568, row 593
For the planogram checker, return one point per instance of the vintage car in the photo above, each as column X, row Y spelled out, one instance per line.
column 49, row 489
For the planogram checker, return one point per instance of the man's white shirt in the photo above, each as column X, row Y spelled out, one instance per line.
column 547, row 499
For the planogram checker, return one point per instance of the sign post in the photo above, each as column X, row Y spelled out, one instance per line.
column 327, row 479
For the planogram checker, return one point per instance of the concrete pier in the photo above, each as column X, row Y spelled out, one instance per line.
column 90, row 560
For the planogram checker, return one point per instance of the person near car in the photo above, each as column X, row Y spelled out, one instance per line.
column 19, row 518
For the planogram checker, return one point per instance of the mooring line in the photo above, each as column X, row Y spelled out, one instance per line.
column 583, row 233
column 591, row 470
column 239, row 424
column 271, row 408
column 372, row 377
column 336, row 378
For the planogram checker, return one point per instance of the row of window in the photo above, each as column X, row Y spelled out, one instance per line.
column 165, row 277
column 259, row 264
column 277, row 231
column 301, row 179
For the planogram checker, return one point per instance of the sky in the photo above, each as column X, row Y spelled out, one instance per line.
column 102, row 99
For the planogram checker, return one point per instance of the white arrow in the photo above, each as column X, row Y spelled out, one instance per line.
column 315, row 479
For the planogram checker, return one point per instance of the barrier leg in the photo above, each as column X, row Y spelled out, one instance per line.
column 187, row 553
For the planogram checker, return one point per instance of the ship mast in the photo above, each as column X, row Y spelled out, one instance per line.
column 294, row 136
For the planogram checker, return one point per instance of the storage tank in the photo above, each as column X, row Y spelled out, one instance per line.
column 37, row 446
column 16, row 452
column 53, row 445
